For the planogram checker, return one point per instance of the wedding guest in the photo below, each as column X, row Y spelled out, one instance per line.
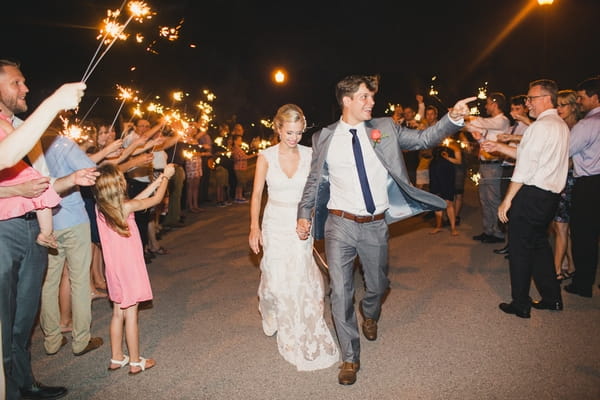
column 518, row 111
column 23, row 262
column 490, row 165
column 14, row 147
column 126, row 274
column 73, row 235
column 358, row 178
column 240, row 166
column 291, row 286
column 442, row 181
column 584, row 149
column 563, row 261
column 40, row 205
column 540, row 174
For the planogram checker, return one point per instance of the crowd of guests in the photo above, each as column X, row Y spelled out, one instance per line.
column 80, row 219
column 65, row 203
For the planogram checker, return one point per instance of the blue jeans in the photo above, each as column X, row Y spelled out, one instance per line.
column 22, row 267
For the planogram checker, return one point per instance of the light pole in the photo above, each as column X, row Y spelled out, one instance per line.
column 545, row 3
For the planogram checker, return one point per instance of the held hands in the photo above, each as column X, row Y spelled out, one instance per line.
column 169, row 170
column 303, row 228
column 68, row 95
column 461, row 109
column 255, row 240
column 47, row 240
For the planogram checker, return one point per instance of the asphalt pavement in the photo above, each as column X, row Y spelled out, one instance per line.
column 441, row 334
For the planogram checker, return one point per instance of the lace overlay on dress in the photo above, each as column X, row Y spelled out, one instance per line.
column 291, row 294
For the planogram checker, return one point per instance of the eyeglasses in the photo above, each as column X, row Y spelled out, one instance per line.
column 530, row 98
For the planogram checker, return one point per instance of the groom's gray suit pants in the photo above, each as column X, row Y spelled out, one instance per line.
column 344, row 240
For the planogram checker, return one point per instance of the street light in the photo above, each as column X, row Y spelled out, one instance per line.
column 279, row 76
column 545, row 48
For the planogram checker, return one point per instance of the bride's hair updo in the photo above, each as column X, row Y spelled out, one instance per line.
column 288, row 113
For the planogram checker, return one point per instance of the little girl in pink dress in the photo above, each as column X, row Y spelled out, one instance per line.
column 126, row 274
column 16, row 206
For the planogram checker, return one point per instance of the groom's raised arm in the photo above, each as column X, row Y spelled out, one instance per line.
column 452, row 122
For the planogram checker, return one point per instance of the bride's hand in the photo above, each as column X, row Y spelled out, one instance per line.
column 255, row 240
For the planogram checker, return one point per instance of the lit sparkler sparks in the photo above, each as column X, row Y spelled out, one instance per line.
column 482, row 92
column 476, row 178
column 432, row 90
column 125, row 94
column 112, row 31
column 73, row 131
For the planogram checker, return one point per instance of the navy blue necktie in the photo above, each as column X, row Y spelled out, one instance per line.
column 362, row 173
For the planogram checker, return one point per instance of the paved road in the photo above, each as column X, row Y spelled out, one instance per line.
column 441, row 333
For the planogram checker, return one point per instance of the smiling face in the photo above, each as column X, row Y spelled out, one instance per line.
column 359, row 107
column 585, row 102
column 538, row 101
column 12, row 91
column 106, row 135
column 290, row 133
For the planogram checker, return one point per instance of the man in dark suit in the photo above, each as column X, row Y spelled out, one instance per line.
column 357, row 185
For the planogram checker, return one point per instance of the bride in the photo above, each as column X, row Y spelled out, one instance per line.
column 291, row 287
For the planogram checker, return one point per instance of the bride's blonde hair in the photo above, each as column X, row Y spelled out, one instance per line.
column 288, row 113
column 110, row 192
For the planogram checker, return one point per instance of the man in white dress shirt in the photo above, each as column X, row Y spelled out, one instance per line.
column 542, row 161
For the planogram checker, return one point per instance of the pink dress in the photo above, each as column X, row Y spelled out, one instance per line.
column 126, row 274
column 16, row 206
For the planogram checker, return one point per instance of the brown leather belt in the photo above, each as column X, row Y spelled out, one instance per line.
column 361, row 219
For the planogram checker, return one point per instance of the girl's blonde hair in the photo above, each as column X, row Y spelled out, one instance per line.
column 110, row 192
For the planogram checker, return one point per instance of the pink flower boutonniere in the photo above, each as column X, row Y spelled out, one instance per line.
column 376, row 136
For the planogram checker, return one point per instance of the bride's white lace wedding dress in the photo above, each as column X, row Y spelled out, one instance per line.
column 291, row 287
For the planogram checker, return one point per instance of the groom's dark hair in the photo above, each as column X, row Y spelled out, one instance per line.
column 349, row 85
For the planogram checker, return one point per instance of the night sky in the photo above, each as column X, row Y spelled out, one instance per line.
column 239, row 43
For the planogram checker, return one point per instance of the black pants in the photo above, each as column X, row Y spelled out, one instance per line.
column 204, row 181
column 585, row 229
column 531, row 255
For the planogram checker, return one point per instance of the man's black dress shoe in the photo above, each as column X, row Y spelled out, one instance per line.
column 543, row 305
column 503, row 250
column 510, row 308
column 492, row 239
column 480, row 237
column 39, row 391
column 575, row 290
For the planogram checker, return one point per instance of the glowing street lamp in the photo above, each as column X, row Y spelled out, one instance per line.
column 545, row 2
column 279, row 76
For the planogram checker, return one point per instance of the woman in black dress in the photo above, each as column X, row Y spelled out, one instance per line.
column 442, row 176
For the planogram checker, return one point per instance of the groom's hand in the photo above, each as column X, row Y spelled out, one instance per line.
column 303, row 228
column 461, row 109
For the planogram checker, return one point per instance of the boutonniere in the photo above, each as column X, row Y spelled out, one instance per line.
column 376, row 136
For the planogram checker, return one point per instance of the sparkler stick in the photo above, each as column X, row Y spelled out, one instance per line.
column 90, row 109
column 86, row 76
column 138, row 11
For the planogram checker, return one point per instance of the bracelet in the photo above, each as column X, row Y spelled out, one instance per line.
column 164, row 177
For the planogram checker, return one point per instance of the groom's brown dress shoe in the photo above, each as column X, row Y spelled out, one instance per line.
column 369, row 328
column 347, row 375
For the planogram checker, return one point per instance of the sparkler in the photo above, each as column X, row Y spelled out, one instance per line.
column 124, row 94
column 90, row 109
column 112, row 31
column 72, row 131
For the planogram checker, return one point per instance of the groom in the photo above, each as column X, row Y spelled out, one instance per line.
column 357, row 185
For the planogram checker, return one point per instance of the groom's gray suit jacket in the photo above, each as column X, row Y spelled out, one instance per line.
column 405, row 199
